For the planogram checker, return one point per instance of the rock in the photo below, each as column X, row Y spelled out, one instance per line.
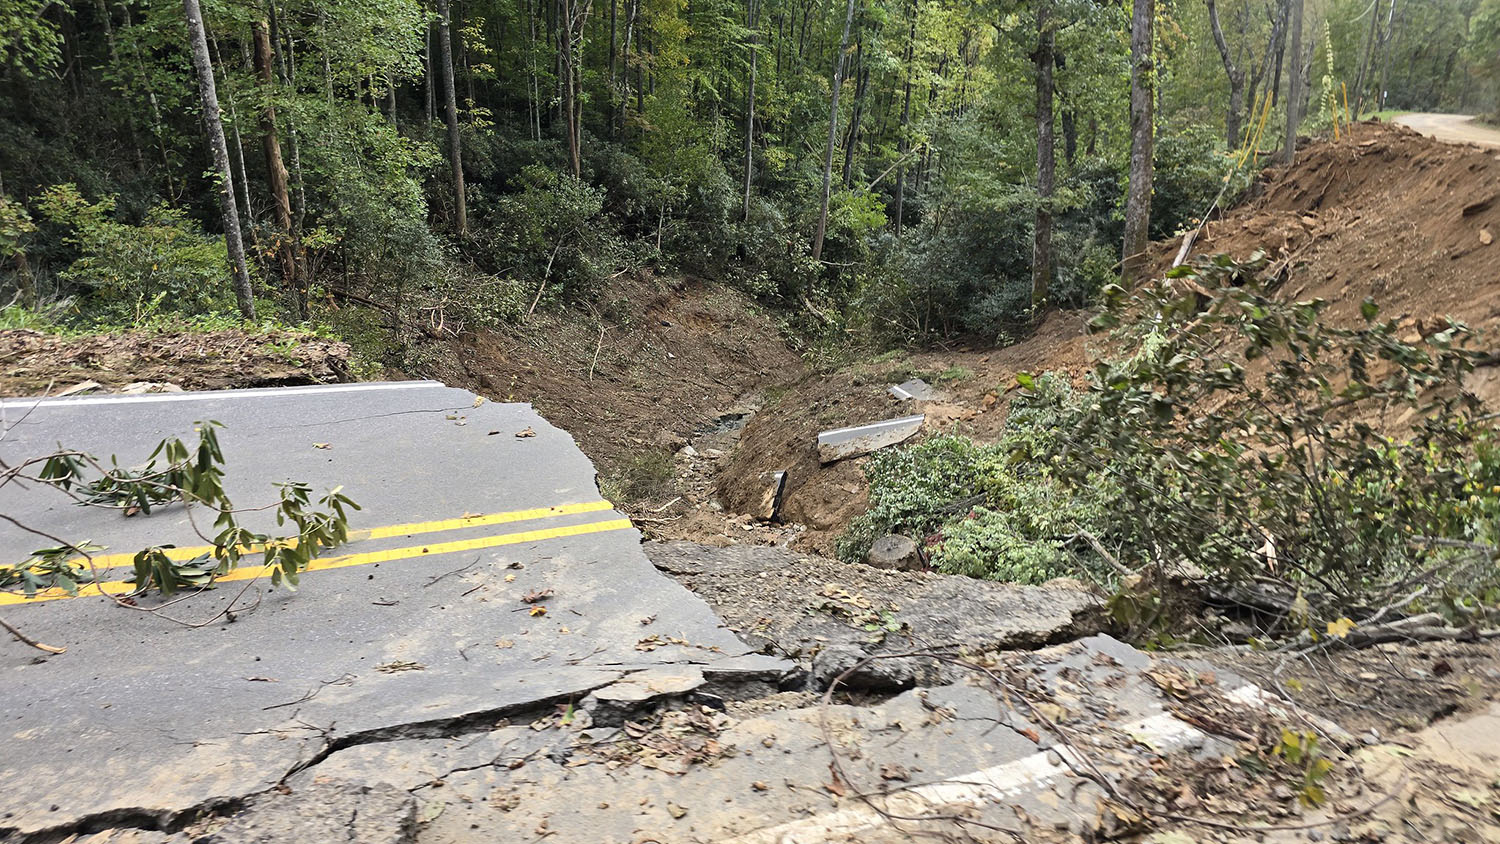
column 688, row 451
column 669, row 441
column 611, row 705
column 334, row 810
column 897, row 553
column 767, row 505
column 882, row 675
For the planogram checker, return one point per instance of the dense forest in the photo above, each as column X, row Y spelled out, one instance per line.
column 898, row 169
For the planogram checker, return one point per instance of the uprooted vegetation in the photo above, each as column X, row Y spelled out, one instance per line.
column 1330, row 478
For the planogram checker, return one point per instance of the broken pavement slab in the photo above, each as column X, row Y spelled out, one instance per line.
column 792, row 604
column 844, row 443
column 915, row 389
column 418, row 631
column 952, row 756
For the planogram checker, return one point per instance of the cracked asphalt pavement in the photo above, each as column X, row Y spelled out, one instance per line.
column 416, row 629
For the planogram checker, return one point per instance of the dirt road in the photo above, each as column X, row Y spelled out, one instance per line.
column 1452, row 128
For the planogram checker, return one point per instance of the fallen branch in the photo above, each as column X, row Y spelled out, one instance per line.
column 27, row 640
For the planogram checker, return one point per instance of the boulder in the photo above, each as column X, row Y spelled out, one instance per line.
column 897, row 553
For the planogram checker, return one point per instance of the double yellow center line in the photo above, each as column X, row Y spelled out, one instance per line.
column 108, row 561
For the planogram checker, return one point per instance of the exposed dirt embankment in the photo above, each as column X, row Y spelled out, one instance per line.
column 1385, row 213
column 1382, row 213
column 32, row 363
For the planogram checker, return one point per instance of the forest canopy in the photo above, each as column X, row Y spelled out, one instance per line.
column 901, row 169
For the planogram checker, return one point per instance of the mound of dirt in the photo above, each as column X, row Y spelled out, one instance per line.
column 32, row 363
column 1384, row 212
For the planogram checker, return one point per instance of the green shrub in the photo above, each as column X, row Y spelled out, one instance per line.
column 132, row 272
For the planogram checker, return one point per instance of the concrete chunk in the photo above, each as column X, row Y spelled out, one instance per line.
column 898, row 553
column 916, row 389
column 843, row 443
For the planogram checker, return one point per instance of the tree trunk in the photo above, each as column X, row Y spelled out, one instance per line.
column 1294, row 85
column 275, row 170
column 833, row 132
column 903, row 143
column 450, row 113
column 1386, row 49
column 431, row 78
column 857, row 113
column 208, row 96
column 1041, row 244
column 1236, row 77
column 1142, row 136
column 609, row 81
column 752, row 12
column 1362, row 77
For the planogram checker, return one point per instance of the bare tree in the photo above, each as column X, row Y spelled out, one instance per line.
column 1142, row 137
column 450, row 111
column 208, row 96
column 833, row 131
column 275, row 169
column 1294, row 85
column 752, row 15
column 1046, row 163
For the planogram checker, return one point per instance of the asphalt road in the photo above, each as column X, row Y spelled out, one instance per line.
column 1452, row 128
column 414, row 629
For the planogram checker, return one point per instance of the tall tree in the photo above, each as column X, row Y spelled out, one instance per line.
column 752, row 20
column 213, row 126
column 1294, row 95
column 276, row 171
column 1142, row 138
column 1041, row 243
column 833, row 133
column 450, row 113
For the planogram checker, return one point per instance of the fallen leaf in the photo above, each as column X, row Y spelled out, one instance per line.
column 322, row 445
column 675, row 810
column 538, row 610
column 1339, row 629
column 760, row 785
column 262, row 680
column 526, row 433
column 510, row 578
column 535, row 597
column 1031, row 734
column 892, row 771
column 505, row 643
column 478, row 400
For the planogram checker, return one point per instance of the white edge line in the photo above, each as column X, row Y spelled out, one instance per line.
column 990, row 785
column 888, row 423
column 23, row 402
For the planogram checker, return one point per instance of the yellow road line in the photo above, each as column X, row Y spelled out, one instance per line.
column 112, row 561
column 347, row 560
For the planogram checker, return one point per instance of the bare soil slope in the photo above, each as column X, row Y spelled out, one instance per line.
column 1383, row 212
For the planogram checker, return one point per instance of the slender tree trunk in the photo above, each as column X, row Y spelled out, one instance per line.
column 450, row 113
column 1236, row 76
column 856, row 117
column 390, row 100
column 430, row 76
column 276, row 171
column 208, row 96
column 1365, row 59
column 752, row 14
column 903, row 142
column 1386, row 48
column 1294, row 85
column 1142, row 136
column 609, row 81
column 1041, row 244
column 833, row 133
column 237, row 149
